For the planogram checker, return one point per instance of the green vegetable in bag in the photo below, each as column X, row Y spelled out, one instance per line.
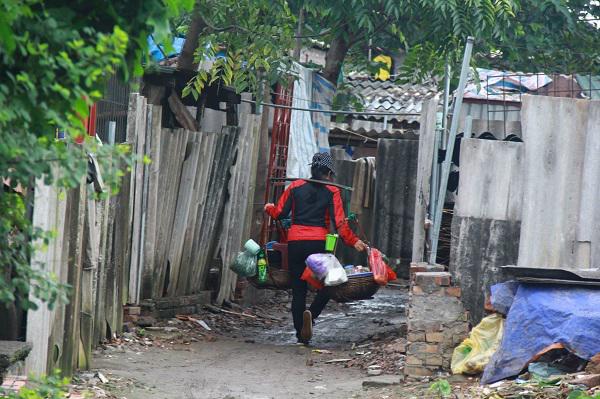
column 244, row 264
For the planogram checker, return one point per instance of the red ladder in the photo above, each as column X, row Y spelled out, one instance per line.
column 280, row 138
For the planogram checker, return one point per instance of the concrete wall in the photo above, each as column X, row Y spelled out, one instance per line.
column 486, row 223
column 560, row 226
column 395, row 192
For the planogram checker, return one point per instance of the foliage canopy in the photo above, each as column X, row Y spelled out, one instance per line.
column 54, row 59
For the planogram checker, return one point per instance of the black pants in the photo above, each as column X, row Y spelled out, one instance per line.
column 298, row 251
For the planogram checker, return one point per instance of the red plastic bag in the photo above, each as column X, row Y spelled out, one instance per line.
column 390, row 273
column 380, row 270
column 307, row 276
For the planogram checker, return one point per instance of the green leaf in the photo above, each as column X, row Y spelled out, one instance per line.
column 7, row 39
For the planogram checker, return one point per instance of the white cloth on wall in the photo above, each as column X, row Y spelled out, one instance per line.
column 303, row 144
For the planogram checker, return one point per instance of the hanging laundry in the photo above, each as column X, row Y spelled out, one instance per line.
column 302, row 144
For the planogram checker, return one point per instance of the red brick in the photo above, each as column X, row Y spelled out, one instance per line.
column 453, row 291
column 441, row 279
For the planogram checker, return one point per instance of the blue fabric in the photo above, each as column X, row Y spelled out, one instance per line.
column 503, row 295
column 157, row 55
column 542, row 315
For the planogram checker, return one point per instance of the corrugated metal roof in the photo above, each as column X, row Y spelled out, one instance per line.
column 387, row 96
column 590, row 85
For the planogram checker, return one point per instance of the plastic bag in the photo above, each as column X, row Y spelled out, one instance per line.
column 244, row 264
column 475, row 352
column 378, row 267
column 321, row 263
column 336, row 274
column 307, row 276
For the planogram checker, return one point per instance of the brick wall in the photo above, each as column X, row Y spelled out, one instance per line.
column 437, row 321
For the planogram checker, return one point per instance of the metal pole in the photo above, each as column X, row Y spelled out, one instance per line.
column 464, row 72
column 447, row 77
column 435, row 168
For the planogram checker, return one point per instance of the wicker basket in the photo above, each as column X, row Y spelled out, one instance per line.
column 277, row 279
column 357, row 288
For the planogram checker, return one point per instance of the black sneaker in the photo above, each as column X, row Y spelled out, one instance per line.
column 307, row 325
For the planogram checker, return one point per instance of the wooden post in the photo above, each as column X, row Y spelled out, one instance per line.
column 426, row 145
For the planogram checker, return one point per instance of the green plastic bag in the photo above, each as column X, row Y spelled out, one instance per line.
column 244, row 264
column 474, row 353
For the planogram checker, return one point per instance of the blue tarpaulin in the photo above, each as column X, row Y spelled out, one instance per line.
column 542, row 315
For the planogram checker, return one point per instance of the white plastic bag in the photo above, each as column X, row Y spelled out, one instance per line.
column 320, row 264
column 336, row 274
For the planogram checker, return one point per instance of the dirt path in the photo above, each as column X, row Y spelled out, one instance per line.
column 259, row 360
column 231, row 369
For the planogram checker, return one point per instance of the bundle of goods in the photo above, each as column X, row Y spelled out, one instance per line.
column 252, row 263
column 351, row 283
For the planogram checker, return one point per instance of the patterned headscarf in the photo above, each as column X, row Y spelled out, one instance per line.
column 323, row 159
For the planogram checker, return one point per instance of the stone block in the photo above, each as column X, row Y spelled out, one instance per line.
column 434, row 337
column 423, row 325
column 417, row 371
column 422, row 347
column 434, row 360
column 415, row 337
column 412, row 360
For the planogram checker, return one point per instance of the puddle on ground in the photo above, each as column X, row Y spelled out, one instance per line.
column 341, row 325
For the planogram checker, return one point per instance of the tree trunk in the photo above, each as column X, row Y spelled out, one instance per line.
column 186, row 58
column 334, row 58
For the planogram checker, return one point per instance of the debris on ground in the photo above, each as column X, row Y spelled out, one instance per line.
column 385, row 356
column 94, row 384
column 469, row 388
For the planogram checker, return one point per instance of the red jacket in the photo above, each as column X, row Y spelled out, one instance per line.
column 311, row 206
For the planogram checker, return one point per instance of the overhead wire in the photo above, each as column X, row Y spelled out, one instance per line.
column 334, row 112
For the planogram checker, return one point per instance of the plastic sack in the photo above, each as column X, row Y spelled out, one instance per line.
column 378, row 267
column 244, row 264
column 336, row 274
column 475, row 352
column 321, row 263
column 308, row 276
